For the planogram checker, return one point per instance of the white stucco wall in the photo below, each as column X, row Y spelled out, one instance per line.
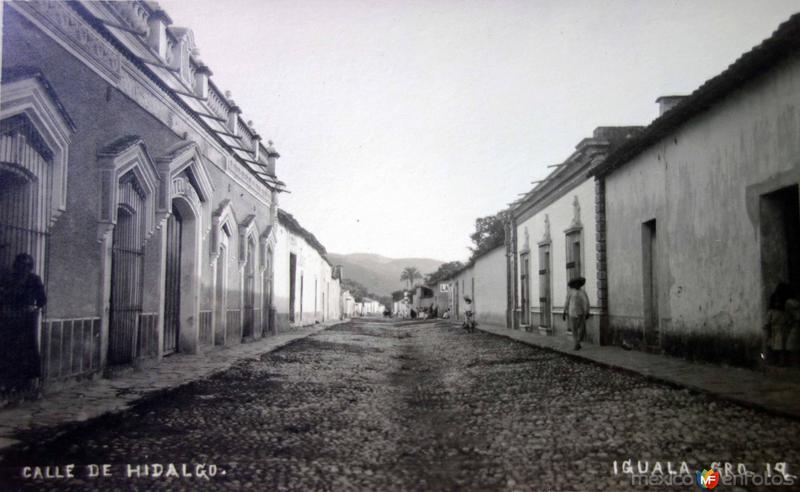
column 316, row 281
column 561, row 214
column 489, row 300
column 485, row 283
column 702, row 185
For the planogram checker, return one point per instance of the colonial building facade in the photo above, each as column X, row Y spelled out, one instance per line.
column 146, row 199
column 682, row 229
column 553, row 238
column 702, row 210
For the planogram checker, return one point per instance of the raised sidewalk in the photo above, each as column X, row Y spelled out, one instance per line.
column 774, row 391
column 91, row 399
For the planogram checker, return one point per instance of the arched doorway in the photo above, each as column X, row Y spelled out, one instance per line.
column 266, row 296
column 190, row 193
column 220, row 296
column 25, row 176
column 34, row 139
column 182, row 275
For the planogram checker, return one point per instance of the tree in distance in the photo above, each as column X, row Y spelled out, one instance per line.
column 410, row 274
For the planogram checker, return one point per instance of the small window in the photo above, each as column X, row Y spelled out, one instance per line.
column 574, row 254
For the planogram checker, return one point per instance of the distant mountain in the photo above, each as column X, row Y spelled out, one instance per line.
column 379, row 274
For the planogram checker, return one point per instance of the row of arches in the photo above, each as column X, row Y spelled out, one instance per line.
column 241, row 246
column 195, row 305
column 170, row 265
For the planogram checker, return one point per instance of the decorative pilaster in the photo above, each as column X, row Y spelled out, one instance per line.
column 511, row 272
column 600, row 239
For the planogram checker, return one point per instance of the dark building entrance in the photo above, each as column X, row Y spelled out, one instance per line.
column 780, row 239
column 650, row 284
column 525, row 286
column 172, row 294
column 268, row 322
column 545, row 286
column 292, row 284
column 248, row 324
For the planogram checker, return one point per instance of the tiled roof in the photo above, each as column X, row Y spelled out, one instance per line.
column 784, row 42
column 132, row 46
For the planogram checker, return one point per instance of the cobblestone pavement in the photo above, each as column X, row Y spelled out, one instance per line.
column 84, row 400
column 373, row 406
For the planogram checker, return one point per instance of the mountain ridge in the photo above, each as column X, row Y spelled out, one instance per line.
column 380, row 274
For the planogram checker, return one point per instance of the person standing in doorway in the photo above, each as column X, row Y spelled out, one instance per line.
column 577, row 308
column 21, row 297
column 779, row 341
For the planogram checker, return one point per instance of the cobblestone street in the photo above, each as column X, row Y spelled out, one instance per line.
column 382, row 406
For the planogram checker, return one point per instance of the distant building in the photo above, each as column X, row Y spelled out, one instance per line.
column 370, row 307
column 481, row 280
column 701, row 210
column 348, row 304
column 441, row 296
column 423, row 297
column 306, row 290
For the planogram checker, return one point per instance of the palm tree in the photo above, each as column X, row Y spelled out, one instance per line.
column 410, row 274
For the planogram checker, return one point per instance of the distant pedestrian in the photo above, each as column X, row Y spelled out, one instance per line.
column 577, row 308
column 21, row 297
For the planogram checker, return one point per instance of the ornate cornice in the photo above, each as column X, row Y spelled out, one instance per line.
column 72, row 32
column 68, row 28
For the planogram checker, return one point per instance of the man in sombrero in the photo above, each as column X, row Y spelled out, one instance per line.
column 577, row 308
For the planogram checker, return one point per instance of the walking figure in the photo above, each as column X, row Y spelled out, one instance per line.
column 469, row 321
column 577, row 308
column 21, row 297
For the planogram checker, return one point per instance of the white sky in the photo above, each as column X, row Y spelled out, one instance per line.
column 400, row 122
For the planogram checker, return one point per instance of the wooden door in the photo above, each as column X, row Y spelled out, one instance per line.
column 127, row 260
column 248, row 328
column 525, row 289
column 172, row 294
column 545, row 286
